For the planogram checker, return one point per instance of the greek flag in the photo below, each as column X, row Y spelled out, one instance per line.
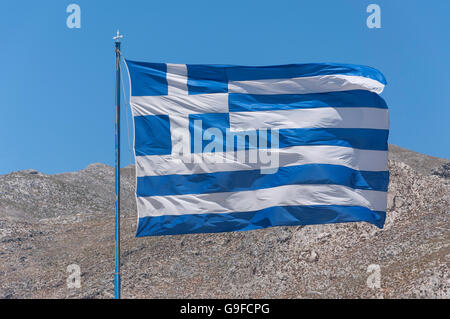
column 223, row 148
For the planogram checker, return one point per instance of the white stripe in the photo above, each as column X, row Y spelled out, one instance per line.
column 245, row 201
column 180, row 104
column 177, row 79
column 365, row 160
column 303, row 85
column 179, row 123
column 342, row 117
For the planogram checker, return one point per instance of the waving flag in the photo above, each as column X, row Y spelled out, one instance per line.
column 227, row 148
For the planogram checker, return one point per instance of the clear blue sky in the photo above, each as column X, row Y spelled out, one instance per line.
column 57, row 84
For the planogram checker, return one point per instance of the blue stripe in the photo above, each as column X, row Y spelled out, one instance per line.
column 367, row 139
column 246, row 180
column 152, row 135
column 269, row 217
column 370, row 139
column 246, row 73
column 206, row 79
column 265, row 102
column 147, row 79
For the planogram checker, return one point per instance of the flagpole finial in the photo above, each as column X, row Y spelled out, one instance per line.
column 118, row 36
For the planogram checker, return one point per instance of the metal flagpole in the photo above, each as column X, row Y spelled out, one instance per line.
column 117, row 288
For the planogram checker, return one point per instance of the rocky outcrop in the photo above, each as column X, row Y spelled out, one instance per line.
column 48, row 222
column 442, row 171
column 420, row 163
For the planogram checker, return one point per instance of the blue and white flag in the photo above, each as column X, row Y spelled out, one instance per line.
column 229, row 148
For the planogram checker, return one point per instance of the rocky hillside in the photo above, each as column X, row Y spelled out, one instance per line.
column 421, row 163
column 48, row 222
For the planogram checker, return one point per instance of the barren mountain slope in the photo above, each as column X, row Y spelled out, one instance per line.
column 48, row 222
column 421, row 163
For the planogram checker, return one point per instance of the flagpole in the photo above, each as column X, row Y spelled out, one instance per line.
column 117, row 281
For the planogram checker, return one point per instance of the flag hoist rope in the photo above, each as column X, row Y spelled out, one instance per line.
column 127, row 109
column 127, row 103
